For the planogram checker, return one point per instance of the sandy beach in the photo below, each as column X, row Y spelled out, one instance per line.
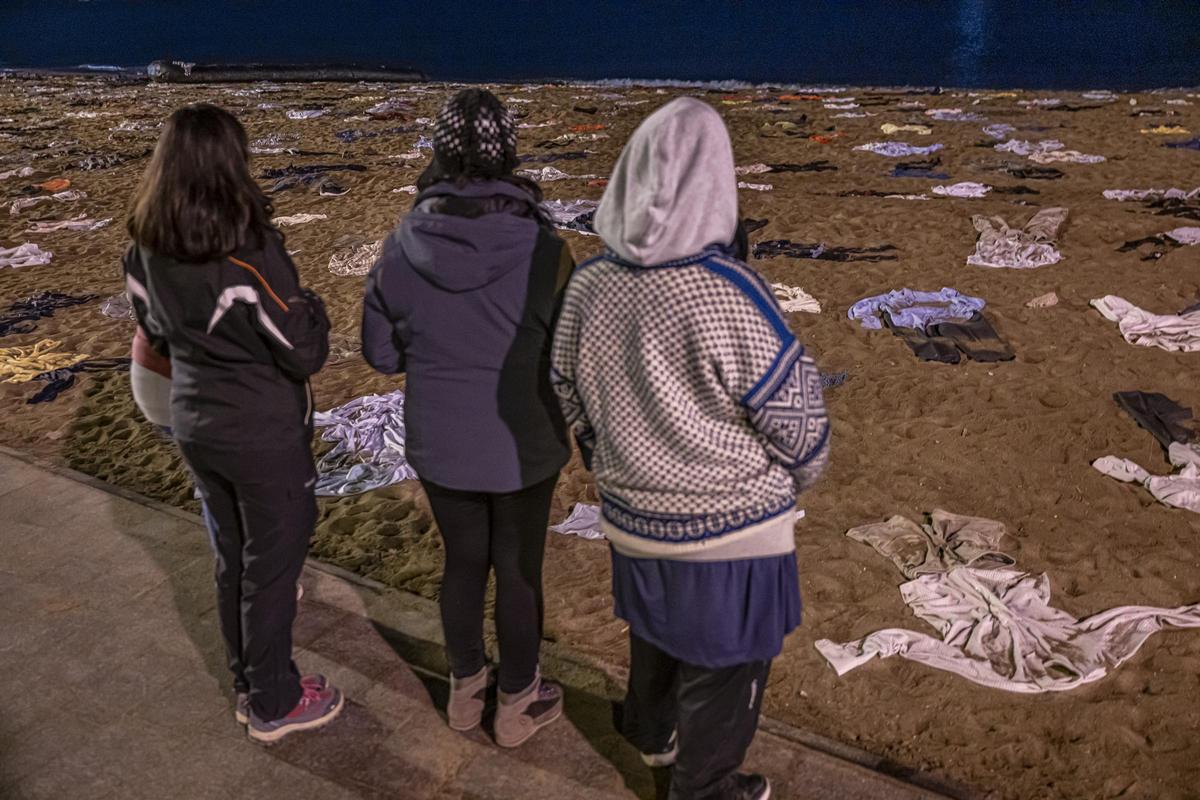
column 1010, row 441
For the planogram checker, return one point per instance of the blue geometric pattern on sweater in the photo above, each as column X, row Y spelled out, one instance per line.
column 687, row 527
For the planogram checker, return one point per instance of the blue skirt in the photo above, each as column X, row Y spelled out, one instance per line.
column 713, row 614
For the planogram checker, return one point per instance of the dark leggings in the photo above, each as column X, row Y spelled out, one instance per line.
column 502, row 532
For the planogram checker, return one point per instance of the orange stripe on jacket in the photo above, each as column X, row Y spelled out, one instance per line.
column 261, row 280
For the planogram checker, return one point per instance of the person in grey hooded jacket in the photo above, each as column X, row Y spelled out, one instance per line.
column 704, row 418
column 464, row 299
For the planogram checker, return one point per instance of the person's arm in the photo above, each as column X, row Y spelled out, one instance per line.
column 381, row 344
column 291, row 319
column 564, row 360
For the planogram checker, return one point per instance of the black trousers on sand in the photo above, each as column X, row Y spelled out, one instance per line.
column 502, row 532
column 714, row 712
column 263, row 513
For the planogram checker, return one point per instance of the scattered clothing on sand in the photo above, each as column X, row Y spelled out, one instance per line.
column 24, row 363
column 1035, row 173
column 409, row 189
column 118, row 307
column 944, row 542
column 1066, row 156
column 1187, row 144
column 59, row 380
column 760, row 168
column 793, row 298
column 920, row 169
column 354, row 135
column 885, row 195
column 831, row 379
column 1122, row 195
column 946, row 342
column 1018, row 248
column 343, row 347
column 572, row 215
column 963, row 189
column 898, row 149
column 20, row 172
column 889, row 128
column 391, row 108
column 304, row 170
column 1166, row 420
column 1000, row 130
column 1167, row 130
column 783, row 247
column 1022, row 147
column 356, row 260
column 308, row 113
column 22, row 203
column 1170, row 332
column 757, row 187
column 953, row 115
column 1043, row 301
column 21, row 316
column 998, row 629
column 1180, row 489
column 910, row 308
column 781, row 128
column 583, row 521
column 78, row 223
column 547, row 174
column 368, row 453
column 1162, row 243
column 297, row 219
column 25, row 255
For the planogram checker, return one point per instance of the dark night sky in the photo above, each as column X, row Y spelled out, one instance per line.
column 965, row 43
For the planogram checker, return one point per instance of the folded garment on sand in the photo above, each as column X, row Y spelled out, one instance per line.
column 1171, row 332
column 889, row 128
column 946, row 342
column 22, row 203
column 1018, row 248
column 1166, row 420
column 59, row 380
column 20, row 317
column 118, row 307
column 298, row 219
column 793, row 298
column 898, row 149
column 21, row 364
column 1122, row 195
column 784, row 247
column 910, row 308
column 1187, row 144
column 953, row 115
column 79, row 223
column 1065, row 156
column 546, row 174
column 758, row 187
column 963, row 189
column 356, row 260
column 25, row 255
column 572, row 215
column 920, row 169
column 945, row 542
column 1035, row 173
column 1180, row 489
column 1022, row 147
column 584, row 522
column 368, row 452
column 998, row 629
column 1000, row 130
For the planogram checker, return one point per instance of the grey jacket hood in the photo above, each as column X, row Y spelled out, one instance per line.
column 461, row 253
column 673, row 192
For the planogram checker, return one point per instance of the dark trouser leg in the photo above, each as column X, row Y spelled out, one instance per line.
column 650, row 714
column 463, row 519
column 718, row 716
column 518, row 545
column 221, row 517
column 275, row 513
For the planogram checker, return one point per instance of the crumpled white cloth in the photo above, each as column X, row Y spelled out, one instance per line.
column 25, row 255
column 963, row 189
column 77, row 223
column 583, row 521
column 1170, row 332
column 409, row 189
column 1188, row 235
column 999, row 130
column 998, row 629
column 1018, row 248
column 298, row 219
column 1147, row 194
column 793, row 298
column 305, row 114
column 368, row 453
column 953, row 115
column 889, row 128
column 356, row 260
column 118, row 307
column 1179, row 490
column 1065, row 156
column 552, row 174
column 898, row 149
column 1022, row 147
column 21, row 172
column 21, row 203
column 752, row 169
column 758, row 187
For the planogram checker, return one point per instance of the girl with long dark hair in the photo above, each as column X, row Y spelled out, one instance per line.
column 214, row 290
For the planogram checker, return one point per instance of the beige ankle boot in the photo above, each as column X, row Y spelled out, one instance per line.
column 467, row 699
column 521, row 715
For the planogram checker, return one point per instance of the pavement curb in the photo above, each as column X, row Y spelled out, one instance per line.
column 421, row 645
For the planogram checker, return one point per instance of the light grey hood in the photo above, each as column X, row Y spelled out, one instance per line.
column 673, row 191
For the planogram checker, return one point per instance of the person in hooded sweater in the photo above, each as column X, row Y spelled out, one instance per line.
column 463, row 299
column 215, row 292
column 701, row 417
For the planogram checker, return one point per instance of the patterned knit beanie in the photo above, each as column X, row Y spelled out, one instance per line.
column 475, row 137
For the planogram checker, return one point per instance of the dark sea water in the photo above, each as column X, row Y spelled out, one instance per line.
column 970, row 43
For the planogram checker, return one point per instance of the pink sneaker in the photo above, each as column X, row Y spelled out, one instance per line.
column 241, row 709
column 317, row 708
